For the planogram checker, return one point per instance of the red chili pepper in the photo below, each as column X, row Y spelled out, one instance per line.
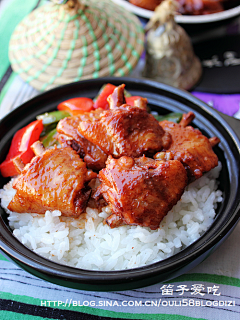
column 77, row 105
column 101, row 100
column 130, row 100
column 20, row 147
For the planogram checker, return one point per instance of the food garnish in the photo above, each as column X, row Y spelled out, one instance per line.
column 77, row 105
column 21, row 148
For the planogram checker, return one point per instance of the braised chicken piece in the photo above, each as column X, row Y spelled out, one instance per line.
column 117, row 99
column 146, row 4
column 190, row 147
column 200, row 7
column 55, row 179
column 125, row 130
column 68, row 135
column 187, row 7
column 140, row 191
column 141, row 103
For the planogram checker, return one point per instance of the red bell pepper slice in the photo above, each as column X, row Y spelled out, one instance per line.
column 20, row 147
column 130, row 100
column 77, row 106
column 101, row 100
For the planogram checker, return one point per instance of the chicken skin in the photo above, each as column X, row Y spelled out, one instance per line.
column 56, row 179
column 126, row 131
column 68, row 135
column 140, row 191
column 190, row 147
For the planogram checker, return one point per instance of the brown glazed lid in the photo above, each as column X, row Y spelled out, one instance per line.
column 67, row 41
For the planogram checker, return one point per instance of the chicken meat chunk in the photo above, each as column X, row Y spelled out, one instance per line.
column 140, row 191
column 126, row 131
column 117, row 98
column 190, row 146
column 68, row 135
column 55, row 179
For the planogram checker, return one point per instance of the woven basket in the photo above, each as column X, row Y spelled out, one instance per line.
column 55, row 44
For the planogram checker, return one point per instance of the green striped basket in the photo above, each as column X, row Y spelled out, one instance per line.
column 58, row 44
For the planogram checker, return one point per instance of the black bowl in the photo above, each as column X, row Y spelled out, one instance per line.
column 161, row 98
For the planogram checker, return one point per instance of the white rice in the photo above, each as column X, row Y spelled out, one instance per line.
column 89, row 244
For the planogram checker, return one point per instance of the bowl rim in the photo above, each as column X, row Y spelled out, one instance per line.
column 18, row 252
column 184, row 19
